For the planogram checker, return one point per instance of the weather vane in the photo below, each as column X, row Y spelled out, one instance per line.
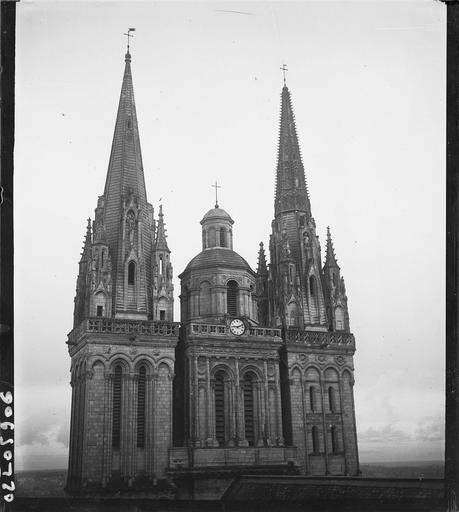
column 216, row 191
column 128, row 36
column 284, row 69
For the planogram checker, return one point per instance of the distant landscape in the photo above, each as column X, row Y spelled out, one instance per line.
column 51, row 482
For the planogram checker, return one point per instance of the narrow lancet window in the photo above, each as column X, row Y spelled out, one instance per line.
column 231, row 298
column 331, row 399
column 220, row 408
column 312, row 398
column 141, row 408
column 116, row 425
column 131, row 272
column 315, row 440
column 249, row 409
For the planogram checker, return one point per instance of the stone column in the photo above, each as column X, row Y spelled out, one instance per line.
column 343, row 437
column 304, row 396
column 240, row 436
column 108, row 425
column 232, row 412
column 150, row 409
column 268, row 412
column 280, row 437
column 260, row 412
column 324, row 423
column 195, row 405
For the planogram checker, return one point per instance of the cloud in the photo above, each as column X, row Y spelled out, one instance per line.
column 385, row 434
column 431, row 428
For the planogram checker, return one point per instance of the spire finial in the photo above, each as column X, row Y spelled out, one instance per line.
column 216, row 186
column 128, row 55
column 284, row 69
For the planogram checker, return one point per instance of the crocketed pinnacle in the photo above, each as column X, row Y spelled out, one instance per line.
column 87, row 241
column 330, row 258
column 291, row 188
column 125, row 169
column 160, row 240
column 262, row 269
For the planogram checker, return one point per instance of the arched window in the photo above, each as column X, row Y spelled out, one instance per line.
column 290, row 273
column 334, row 439
column 312, row 398
column 312, row 286
column 231, row 298
column 161, row 265
column 339, row 319
column 116, row 421
column 248, row 391
column 222, row 237
column 220, row 407
column 331, row 399
column 334, row 278
column 131, row 272
column 315, row 440
column 141, row 407
column 102, row 258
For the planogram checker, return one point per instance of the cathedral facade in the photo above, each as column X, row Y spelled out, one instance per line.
column 256, row 378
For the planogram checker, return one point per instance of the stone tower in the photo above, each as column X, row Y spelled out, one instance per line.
column 308, row 302
column 123, row 338
column 227, row 373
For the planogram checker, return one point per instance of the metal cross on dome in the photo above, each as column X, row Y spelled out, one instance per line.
column 216, row 186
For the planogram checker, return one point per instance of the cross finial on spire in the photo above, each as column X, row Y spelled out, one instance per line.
column 216, row 186
column 284, row 69
column 128, row 36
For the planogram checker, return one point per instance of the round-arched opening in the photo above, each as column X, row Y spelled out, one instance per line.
column 231, row 298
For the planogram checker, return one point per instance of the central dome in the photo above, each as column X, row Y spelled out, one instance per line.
column 218, row 257
column 217, row 213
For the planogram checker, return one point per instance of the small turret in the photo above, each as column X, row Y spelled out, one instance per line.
column 262, row 287
column 163, row 289
column 334, row 290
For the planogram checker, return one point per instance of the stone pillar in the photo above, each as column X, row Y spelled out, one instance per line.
column 260, row 412
column 232, row 412
column 238, row 405
column 195, row 405
column 280, row 436
column 108, row 425
column 150, row 409
column 324, row 424
column 268, row 412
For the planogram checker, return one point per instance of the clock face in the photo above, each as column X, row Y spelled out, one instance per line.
column 237, row 327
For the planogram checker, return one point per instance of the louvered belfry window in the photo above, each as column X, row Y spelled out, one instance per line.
column 231, row 298
column 312, row 398
column 249, row 409
column 141, row 408
column 116, row 426
column 334, row 440
column 131, row 272
column 220, row 408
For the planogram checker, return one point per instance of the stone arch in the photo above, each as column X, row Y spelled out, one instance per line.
column 331, row 374
column 232, row 297
column 166, row 362
column 142, row 360
column 292, row 313
column 121, row 359
column 222, row 367
column 312, row 372
column 251, row 368
column 98, row 361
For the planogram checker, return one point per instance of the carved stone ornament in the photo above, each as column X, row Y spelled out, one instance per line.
column 322, row 359
column 340, row 360
column 302, row 358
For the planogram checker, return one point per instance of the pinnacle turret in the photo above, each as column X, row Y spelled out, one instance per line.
column 291, row 187
column 262, row 269
column 160, row 241
column 330, row 257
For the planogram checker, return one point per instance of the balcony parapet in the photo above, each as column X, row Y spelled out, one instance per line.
column 195, row 329
column 320, row 339
column 114, row 326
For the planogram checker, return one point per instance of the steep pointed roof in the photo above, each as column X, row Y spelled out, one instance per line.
column 330, row 258
column 262, row 269
column 125, row 169
column 160, row 240
column 291, row 187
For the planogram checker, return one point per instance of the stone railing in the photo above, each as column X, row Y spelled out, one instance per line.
column 113, row 326
column 320, row 339
column 223, row 330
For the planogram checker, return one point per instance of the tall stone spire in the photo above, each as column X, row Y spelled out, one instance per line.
column 291, row 188
column 125, row 169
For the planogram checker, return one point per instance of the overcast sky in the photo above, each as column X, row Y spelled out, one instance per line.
column 368, row 89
